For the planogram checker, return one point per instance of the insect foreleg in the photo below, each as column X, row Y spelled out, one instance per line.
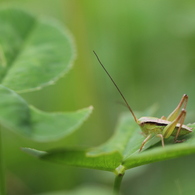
column 175, row 113
column 144, row 142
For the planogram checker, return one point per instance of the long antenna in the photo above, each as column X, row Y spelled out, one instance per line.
column 117, row 88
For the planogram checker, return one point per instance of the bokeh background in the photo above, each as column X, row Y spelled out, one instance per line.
column 148, row 46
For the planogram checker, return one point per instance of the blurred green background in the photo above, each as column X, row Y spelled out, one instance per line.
column 149, row 49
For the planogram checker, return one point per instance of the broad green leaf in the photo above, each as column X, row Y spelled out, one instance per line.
column 78, row 157
column 127, row 137
column 159, row 153
column 16, row 115
column 128, row 144
column 121, row 152
column 34, row 52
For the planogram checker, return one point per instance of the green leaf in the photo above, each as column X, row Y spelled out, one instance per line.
column 121, row 151
column 16, row 115
column 127, row 137
column 79, row 158
column 34, row 52
column 159, row 153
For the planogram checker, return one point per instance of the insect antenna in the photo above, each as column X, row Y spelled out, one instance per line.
column 135, row 118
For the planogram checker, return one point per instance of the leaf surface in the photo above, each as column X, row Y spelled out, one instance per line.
column 33, row 52
column 78, row 157
column 16, row 115
column 121, row 151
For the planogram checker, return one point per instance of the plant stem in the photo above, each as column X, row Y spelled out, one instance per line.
column 117, row 183
column 120, row 171
column 2, row 175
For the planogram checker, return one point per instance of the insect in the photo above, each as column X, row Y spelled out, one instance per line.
column 163, row 127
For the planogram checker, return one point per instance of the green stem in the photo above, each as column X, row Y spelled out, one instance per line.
column 120, row 171
column 2, row 175
column 117, row 183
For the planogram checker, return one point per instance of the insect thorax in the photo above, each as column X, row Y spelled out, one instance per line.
column 151, row 128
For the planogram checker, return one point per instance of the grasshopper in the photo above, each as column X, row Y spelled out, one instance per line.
column 163, row 127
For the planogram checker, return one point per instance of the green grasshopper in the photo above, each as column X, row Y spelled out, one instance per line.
column 161, row 127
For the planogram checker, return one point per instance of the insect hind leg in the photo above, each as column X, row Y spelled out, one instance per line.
column 181, row 121
column 176, row 112
column 168, row 130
